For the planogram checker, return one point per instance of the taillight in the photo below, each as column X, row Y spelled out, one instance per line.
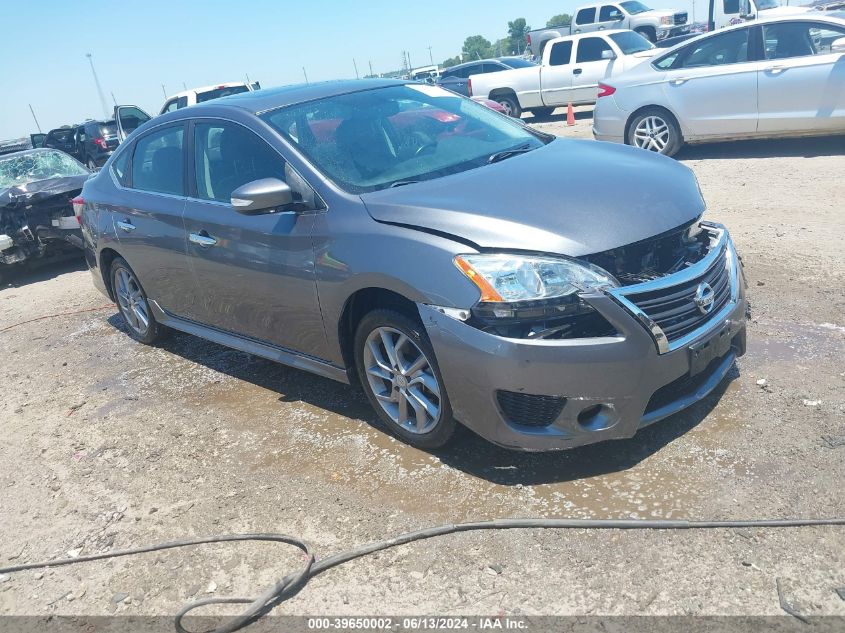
column 528, row 39
column 101, row 143
column 605, row 90
column 469, row 87
column 78, row 204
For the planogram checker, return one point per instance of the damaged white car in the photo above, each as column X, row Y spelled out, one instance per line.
column 37, row 216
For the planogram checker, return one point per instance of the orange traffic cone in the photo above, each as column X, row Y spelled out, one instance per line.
column 570, row 115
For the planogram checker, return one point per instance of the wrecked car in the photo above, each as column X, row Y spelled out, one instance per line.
column 37, row 217
column 459, row 266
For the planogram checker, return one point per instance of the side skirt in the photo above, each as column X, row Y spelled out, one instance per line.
column 251, row 346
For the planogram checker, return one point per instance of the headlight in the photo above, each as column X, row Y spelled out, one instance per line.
column 505, row 278
column 667, row 19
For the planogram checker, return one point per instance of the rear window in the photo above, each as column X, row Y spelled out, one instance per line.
column 208, row 95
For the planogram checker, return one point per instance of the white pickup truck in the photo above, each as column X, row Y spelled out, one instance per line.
column 654, row 25
column 570, row 72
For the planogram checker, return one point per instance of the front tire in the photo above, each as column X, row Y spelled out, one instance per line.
column 649, row 34
column 133, row 304
column 399, row 374
column 655, row 130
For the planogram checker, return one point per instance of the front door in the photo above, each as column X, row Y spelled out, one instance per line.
column 802, row 81
column 254, row 274
column 590, row 68
column 713, row 85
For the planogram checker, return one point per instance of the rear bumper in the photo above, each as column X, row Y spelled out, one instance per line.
column 608, row 388
column 609, row 121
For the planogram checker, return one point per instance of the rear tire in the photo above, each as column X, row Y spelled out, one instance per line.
column 133, row 304
column 510, row 103
column 398, row 371
column 655, row 130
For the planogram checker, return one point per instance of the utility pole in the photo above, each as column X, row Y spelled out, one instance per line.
column 164, row 92
column 372, row 74
column 356, row 69
column 34, row 117
column 113, row 99
column 97, row 82
column 305, row 73
column 408, row 53
column 430, row 56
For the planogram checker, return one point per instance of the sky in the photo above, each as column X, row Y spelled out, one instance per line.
column 139, row 46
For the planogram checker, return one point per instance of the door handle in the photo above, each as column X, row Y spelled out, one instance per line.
column 776, row 69
column 577, row 71
column 202, row 238
column 125, row 225
column 679, row 81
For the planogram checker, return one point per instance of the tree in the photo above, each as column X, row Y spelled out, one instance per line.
column 477, row 47
column 452, row 61
column 502, row 47
column 562, row 19
column 516, row 33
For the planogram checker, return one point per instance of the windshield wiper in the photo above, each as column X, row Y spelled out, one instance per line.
column 402, row 183
column 507, row 153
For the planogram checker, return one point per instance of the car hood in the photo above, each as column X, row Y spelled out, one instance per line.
column 570, row 197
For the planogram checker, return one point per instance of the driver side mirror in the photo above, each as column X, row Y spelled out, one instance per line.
column 608, row 55
column 617, row 17
column 838, row 45
column 261, row 196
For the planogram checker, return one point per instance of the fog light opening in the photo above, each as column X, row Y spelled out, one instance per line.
column 596, row 417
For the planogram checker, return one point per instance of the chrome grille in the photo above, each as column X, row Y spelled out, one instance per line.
column 667, row 308
column 681, row 18
column 674, row 310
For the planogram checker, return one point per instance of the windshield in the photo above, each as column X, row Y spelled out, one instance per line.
column 208, row 95
column 517, row 62
column 373, row 139
column 21, row 169
column 633, row 7
column 630, row 42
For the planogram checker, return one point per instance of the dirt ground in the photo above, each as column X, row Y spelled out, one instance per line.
column 108, row 444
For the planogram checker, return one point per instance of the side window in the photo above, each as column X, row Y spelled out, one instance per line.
column 561, row 54
column 609, row 13
column 157, row 162
column 590, row 49
column 227, row 156
column 170, row 106
column 730, row 7
column 474, row 69
column 490, row 68
column 727, row 48
column 783, row 40
column 80, row 134
column 182, row 103
column 586, row 16
column 120, row 166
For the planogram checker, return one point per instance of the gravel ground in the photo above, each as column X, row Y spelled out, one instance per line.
column 109, row 444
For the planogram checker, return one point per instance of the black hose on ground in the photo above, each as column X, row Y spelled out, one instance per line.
column 290, row 584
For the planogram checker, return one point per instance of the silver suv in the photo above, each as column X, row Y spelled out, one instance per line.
column 460, row 266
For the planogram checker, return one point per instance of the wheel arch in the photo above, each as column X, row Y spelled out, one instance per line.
column 107, row 256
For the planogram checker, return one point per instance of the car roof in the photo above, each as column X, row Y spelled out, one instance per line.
column 184, row 93
column 272, row 98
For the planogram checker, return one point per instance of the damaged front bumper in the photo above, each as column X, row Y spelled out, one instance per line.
column 556, row 394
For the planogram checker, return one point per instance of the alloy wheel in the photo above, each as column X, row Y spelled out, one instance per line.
column 652, row 133
column 506, row 105
column 130, row 298
column 402, row 380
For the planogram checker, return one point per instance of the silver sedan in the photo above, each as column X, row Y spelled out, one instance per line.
column 777, row 77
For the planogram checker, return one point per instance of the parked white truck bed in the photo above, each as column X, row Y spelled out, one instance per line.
column 570, row 72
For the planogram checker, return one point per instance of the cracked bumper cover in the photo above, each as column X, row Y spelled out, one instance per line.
column 620, row 373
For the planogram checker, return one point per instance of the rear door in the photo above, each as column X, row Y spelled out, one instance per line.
column 128, row 118
column 148, row 220
column 584, row 21
column 590, row 68
column 254, row 274
column 712, row 85
column 556, row 75
column 802, row 80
